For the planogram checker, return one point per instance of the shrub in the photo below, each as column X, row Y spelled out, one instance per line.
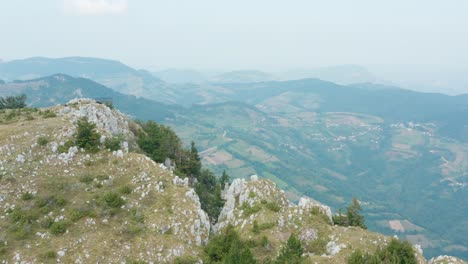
column 50, row 255
column 64, row 148
column 59, row 227
column 113, row 144
column 264, row 242
column 42, row 141
column 48, row 114
column 87, row 178
column 273, row 206
column 113, row 200
column 78, row 213
column 249, row 210
column 125, row 189
column 396, row 252
column 260, row 227
column 22, row 217
column 27, row 196
column 47, row 222
column 318, row 246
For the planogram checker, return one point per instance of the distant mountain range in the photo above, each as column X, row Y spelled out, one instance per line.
column 113, row 74
column 60, row 88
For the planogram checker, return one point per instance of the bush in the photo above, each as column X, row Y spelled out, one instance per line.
column 27, row 196
column 113, row 200
column 273, row 206
column 42, row 141
column 22, row 217
column 125, row 189
column 78, row 213
column 113, row 144
column 86, row 136
column 396, row 252
column 48, row 114
column 260, row 227
column 50, row 255
column 13, row 102
column 47, row 222
column 87, row 178
column 249, row 210
column 65, row 147
column 318, row 246
column 59, row 227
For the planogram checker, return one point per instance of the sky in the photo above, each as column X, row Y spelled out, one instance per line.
column 386, row 36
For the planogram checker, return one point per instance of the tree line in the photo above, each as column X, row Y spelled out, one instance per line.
column 13, row 102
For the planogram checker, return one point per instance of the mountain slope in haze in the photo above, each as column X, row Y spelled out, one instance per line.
column 60, row 88
column 334, row 142
column 402, row 152
column 403, row 172
column 114, row 74
column 181, row 76
column 341, row 74
column 242, row 76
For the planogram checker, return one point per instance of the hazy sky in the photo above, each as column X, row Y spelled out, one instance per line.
column 237, row 34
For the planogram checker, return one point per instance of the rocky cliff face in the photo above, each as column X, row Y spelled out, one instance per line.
column 77, row 207
column 263, row 215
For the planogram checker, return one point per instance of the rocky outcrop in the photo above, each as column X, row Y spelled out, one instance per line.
column 446, row 260
column 108, row 120
column 158, row 217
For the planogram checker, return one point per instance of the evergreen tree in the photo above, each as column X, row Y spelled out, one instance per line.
column 13, row 102
column 353, row 214
column 195, row 163
column 224, row 179
column 227, row 247
column 86, row 136
column 291, row 253
column 239, row 253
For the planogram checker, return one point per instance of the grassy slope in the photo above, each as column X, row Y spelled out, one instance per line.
column 154, row 224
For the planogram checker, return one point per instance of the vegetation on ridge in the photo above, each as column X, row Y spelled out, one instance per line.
column 352, row 217
column 160, row 143
column 13, row 102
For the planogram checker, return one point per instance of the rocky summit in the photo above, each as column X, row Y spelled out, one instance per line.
column 60, row 203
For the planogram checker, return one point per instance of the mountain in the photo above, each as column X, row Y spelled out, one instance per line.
column 64, row 204
column 341, row 74
column 242, row 76
column 400, row 151
column 60, row 88
column 181, row 76
column 113, row 74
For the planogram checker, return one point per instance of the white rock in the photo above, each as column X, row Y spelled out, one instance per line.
column 20, row 158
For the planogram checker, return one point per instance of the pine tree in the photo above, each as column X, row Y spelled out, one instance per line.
column 224, row 179
column 353, row 214
column 195, row 163
column 291, row 253
column 86, row 136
